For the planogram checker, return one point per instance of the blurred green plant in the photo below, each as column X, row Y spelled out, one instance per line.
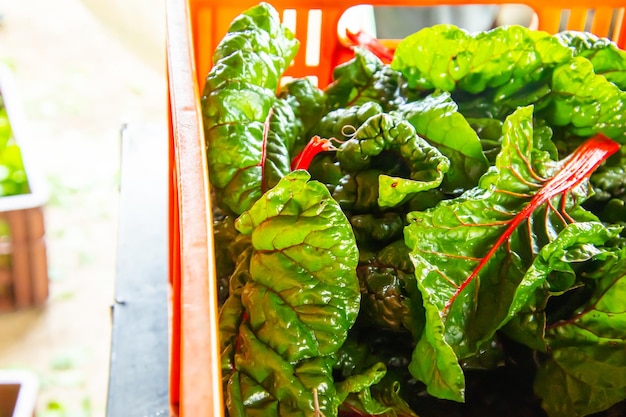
column 13, row 179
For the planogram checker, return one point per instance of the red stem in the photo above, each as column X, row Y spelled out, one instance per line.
column 369, row 42
column 576, row 168
column 315, row 146
column 266, row 131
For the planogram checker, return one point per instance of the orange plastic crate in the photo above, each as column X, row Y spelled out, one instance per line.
column 194, row 28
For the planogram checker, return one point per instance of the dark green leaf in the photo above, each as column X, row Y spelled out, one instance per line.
column 587, row 366
column 239, row 107
column 365, row 79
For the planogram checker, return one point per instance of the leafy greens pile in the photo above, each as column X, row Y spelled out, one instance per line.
column 437, row 236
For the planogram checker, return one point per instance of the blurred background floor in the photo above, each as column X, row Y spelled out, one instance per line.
column 80, row 79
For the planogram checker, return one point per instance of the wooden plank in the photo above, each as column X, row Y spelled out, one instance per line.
column 38, row 257
column 139, row 375
column 20, row 268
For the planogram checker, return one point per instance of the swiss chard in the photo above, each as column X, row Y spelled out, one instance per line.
column 426, row 166
column 303, row 283
column 366, row 79
column 455, row 224
column 436, row 119
column 585, row 369
column 606, row 57
column 507, row 59
column 237, row 106
column 454, row 244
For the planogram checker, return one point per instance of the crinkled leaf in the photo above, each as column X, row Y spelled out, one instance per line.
column 586, row 372
column 373, row 393
column 586, row 103
column 238, row 109
column 506, row 58
column 577, row 243
column 342, row 123
column 308, row 104
column 425, row 164
column 300, row 299
column 283, row 138
column 259, row 29
column 374, row 231
column 370, row 387
column 358, row 192
column 365, row 79
column 434, row 361
column 606, row 57
column 449, row 241
column 436, row 118
column 390, row 299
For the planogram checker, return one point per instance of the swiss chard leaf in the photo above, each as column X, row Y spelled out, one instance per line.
column 299, row 299
column 308, row 104
column 365, row 79
column 507, row 59
column 238, row 108
column 577, row 243
column 606, row 57
column 586, row 103
column 342, row 123
column 436, row 119
column 459, row 241
column 587, row 366
column 383, row 132
column 390, row 299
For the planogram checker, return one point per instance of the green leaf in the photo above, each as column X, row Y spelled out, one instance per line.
column 343, row 122
column 586, row 372
column 507, row 58
column 586, row 103
column 365, row 79
column 373, row 393
column 434, row 361
column 383, row 132
column 368, row 385
column 390, row 299
column 450, row 241
column 239, row 108
column 577, row 243
column 308, row 104
column 436, row 118
column 607, row 58
column 298, row 302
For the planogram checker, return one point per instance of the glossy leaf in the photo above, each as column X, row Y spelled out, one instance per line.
column 238, row 109
column 505, row 58
column 449, row 245
column 299, row 301
column 365, row 79
column 586, row 372
column 586, row 103
column 383, row 132
column 607, row 59
column 436, row 119
column 577, row 243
